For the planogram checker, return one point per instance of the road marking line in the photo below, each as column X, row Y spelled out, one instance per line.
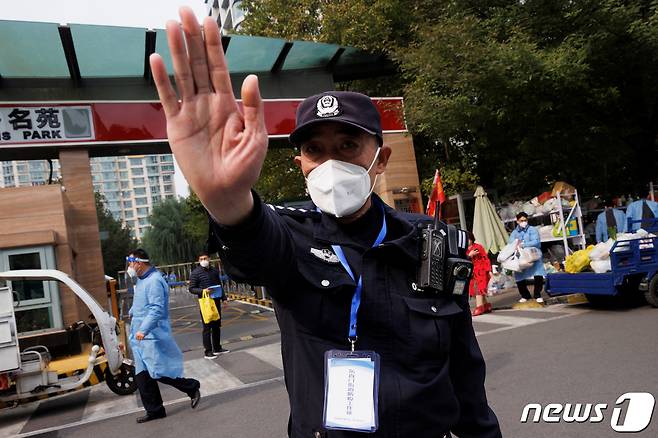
column 537, row 321
column 13, row 420
column 133, row 411
column 497, row 318
column 270, row 353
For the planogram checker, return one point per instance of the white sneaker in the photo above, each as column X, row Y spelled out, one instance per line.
column 522, row 300
column 540, row 300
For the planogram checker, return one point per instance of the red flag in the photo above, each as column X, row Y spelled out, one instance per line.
column 436, row 195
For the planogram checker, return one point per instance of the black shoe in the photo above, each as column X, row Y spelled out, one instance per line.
column 149, row 417
column 210, row 356
column 194, row 399
column 221, row 351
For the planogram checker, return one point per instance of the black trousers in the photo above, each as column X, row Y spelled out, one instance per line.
column 150, row 392
column 212, row 332
column 523, row 287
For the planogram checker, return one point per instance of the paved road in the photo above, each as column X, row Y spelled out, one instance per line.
column 559, row 354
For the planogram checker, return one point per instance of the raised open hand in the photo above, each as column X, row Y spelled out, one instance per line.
column 219, row 148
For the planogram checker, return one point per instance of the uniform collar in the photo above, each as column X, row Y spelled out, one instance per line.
column 401, row 236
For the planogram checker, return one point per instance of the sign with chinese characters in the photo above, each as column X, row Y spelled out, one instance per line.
column 46, row 124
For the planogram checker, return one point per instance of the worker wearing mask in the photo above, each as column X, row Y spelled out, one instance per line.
column 342, row 271
column 203, row 277
column 156, row 355
column 526, row 236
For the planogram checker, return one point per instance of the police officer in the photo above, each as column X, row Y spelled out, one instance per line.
column 316, row 261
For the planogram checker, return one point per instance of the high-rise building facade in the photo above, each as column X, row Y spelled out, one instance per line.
column 131, row 185
column 228, row 13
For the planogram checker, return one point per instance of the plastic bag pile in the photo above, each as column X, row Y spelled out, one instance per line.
column 597, row 257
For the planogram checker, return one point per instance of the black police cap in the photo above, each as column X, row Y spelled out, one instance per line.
column 347, row 107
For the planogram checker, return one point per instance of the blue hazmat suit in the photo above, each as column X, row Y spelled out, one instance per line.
column 157, row 353
column 634, row 212
column 530, row 237
column 602, row 226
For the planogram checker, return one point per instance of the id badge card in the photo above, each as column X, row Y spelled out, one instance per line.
column 351, row 388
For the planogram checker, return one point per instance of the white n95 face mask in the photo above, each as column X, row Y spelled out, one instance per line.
column 204, row 263
column 340, row 188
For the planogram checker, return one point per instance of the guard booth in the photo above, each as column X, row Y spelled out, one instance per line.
column 71, row 92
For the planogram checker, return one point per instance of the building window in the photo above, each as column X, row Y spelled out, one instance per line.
column 122, row 165
column 109, row 176
column 138, row 181
column 9, row 181
column 167, row 168
column 141, row 201
column 140, row 191
column 138, row 171
column 125, row 184
column 143, row 221
column 23, row 179
column 127, row 204
column 152, row 159
column 166, row 158
column 166, row 178
column 154, row 181
column 168, row 188
column 128, row 214
column 135, row 161
column 143, row 211
column 123, row 175
column 153, row 170
column 155, row 199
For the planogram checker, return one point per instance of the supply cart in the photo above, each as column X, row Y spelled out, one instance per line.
column 37, row 372
column 634, row 266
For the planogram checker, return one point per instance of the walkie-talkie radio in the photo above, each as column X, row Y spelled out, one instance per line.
column 442, row 269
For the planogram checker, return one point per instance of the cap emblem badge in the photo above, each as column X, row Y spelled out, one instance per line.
column 327, row 106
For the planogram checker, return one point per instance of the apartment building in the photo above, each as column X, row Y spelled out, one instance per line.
column 132, row 185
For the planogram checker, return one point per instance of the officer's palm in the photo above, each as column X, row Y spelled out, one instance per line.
column 219, row 148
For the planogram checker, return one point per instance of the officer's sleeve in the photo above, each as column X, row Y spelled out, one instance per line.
column 467, row 372
column 259, row 250
column 155, row 299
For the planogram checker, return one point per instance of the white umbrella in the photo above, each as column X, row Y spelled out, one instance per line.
column 488, row 228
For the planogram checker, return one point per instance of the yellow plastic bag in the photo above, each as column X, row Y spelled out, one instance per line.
column 209, row 310
column 578, row 261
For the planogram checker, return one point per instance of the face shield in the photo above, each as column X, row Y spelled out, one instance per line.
column 131, row 268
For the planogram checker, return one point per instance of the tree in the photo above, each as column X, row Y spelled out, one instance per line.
column 116, row 240
column 168, row 240
column 519, row 94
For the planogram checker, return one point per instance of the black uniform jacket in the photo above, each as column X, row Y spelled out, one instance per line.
column 202, row 278
column 432, row 370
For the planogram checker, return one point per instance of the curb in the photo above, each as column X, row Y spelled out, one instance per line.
column 251, row 300
column 567, row 299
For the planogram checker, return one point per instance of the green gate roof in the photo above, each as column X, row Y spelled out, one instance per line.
column 79, row 53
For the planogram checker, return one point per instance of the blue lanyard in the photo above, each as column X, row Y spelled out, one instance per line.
column 356, row 299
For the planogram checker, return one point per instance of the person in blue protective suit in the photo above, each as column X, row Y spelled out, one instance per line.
column 645, row 210
column 610, row 222
column 526, row 237
column 157, row 357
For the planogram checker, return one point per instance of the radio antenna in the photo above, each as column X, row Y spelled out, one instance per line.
column 437, row 208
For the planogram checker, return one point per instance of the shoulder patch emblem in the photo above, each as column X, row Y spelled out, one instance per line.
column 326, row 255
column 327, row 106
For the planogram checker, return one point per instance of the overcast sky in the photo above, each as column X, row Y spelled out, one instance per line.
column 131, row 13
